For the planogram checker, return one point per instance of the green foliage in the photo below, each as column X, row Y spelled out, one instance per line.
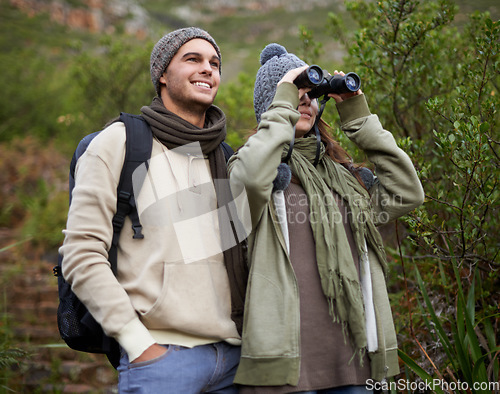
column 46, row 218
column 64, row 86
column 34, row 189
column 443, row 107
column 9, row 354
column 236, row 100
column 34, row 75
column 398, row 52
column 461, row 171
column 33, row 111
column 34, row 196
column 8, row 358
column 471, row 346
column 113, row 80
column 311, row 49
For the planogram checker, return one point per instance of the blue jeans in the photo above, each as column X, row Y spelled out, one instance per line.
column 340, row 390
column 202, row 369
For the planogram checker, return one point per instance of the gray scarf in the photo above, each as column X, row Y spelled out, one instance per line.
column 174, row 132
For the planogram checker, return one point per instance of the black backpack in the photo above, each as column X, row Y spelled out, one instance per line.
column 76, row 325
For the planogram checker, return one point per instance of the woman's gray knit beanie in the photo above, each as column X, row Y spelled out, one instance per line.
column 275, row 63
column 166, row 48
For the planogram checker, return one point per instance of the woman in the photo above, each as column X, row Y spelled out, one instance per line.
column 317, row 314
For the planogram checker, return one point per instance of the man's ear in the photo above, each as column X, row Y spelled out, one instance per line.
column 163, row 80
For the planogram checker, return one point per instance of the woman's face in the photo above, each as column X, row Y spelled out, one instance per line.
column 308, row 111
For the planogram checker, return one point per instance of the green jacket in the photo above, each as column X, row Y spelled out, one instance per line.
column 271, row 337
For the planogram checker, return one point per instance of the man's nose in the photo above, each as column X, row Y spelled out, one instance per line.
column 206, row 67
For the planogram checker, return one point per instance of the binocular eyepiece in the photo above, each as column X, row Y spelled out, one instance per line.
column 322, row 84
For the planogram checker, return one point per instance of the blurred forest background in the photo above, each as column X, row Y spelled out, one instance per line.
column 430, row 70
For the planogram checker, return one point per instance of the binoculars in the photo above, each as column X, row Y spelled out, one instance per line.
column 322, row 84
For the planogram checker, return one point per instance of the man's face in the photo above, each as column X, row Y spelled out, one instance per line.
column 192, row 78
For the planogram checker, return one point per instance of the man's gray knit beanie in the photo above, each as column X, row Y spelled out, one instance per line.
column 275, row 63
column 166, row 48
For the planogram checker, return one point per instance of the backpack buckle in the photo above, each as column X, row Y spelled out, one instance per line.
column 137, row 232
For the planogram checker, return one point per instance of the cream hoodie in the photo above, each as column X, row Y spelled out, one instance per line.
column 172, row 286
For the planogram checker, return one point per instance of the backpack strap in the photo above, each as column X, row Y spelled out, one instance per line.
column 228, row 151
column 139, row 144
column 80, row 149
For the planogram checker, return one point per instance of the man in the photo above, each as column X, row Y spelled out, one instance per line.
column 175, row 305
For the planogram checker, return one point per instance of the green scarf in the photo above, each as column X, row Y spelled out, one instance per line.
column 339, row 276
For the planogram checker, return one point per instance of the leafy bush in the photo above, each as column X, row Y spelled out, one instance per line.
column 112, row 80
column 472, row 348
column 443, row 107
column 236, row 100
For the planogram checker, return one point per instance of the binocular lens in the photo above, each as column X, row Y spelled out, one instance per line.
column 351, row 83
column 309, row 78
column 314, row 76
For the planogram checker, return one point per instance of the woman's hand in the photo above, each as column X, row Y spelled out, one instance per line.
column 292, row 74
column 344, row 96
column 290, row 77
